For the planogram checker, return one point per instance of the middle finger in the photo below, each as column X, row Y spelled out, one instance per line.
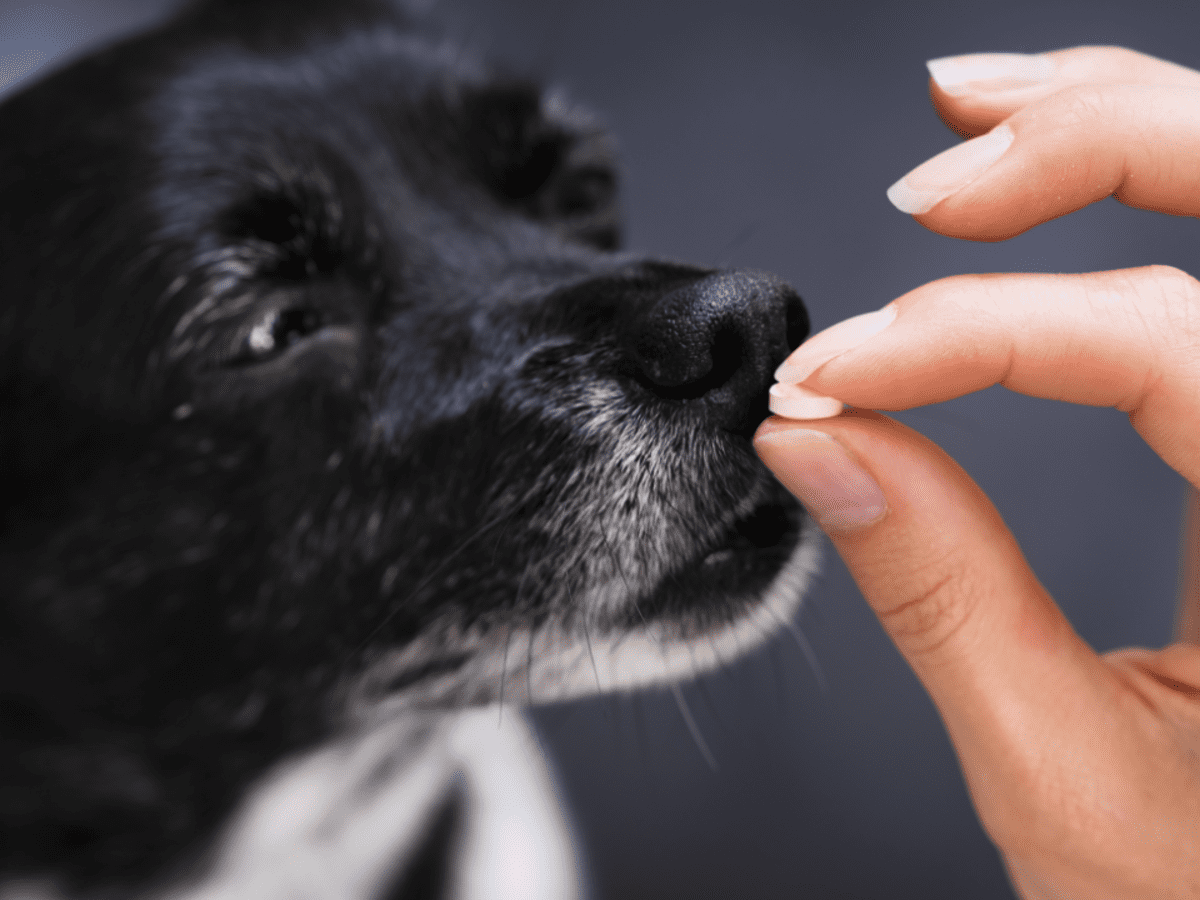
column 975, row 92
column 1138, row 142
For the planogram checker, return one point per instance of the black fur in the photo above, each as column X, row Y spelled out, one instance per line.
column 321, row 380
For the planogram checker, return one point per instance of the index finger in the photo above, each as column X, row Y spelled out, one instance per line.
column 1126, row 339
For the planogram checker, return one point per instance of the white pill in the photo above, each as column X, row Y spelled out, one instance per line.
column 795, row 402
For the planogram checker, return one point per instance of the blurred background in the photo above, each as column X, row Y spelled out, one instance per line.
column 763, row 134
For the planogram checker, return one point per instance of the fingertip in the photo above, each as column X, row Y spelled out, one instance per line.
column 965, row 120
column 949, row 172
column 973, row 73
column 835, row 489
column 975, row 92
column 769, row 426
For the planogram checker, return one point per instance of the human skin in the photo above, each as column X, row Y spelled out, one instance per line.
column 1084, row 768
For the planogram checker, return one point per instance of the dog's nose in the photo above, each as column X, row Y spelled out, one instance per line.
column 716, row 343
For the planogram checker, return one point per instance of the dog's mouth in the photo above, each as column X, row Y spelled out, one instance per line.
column 728, row 573
column 711, row 602
column 765, row 528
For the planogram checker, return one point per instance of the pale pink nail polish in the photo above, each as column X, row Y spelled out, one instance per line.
column 949, row 172
column 983, row 73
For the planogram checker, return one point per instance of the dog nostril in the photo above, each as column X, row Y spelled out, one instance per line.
column 690, row 376
column 797, row 322
column 716, row 341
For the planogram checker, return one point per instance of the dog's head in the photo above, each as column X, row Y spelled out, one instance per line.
column 324, row 385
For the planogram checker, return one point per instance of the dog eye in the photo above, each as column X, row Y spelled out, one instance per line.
column 584, row 190
column 279, row 330
column 527, row 170
column 292, row 232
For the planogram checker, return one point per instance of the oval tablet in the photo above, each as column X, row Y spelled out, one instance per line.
column 795, row 402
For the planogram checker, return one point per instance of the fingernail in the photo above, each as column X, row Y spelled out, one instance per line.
column 795, row 402
column 836, row 491
column 833, row 341
column 984, row 72
column 949, row 172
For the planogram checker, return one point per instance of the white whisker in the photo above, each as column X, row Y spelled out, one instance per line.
column 659, row 653
column 809, row 654
column 684, row 711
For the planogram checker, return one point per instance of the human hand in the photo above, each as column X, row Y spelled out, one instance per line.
column 1084, row 768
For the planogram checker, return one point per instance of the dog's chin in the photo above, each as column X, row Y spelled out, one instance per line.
column 699, row 617
column 719, row 603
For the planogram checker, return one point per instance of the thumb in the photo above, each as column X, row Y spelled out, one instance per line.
column 1013, row 683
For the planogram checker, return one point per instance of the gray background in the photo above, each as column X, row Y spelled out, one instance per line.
column 762, row 134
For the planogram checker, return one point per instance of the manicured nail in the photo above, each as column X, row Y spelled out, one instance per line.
column 949, row 172
column 833, row 341
column 990, row 72
column 836, row 491
column 795, row 402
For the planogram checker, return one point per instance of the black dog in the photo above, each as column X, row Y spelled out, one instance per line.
column 326, row 399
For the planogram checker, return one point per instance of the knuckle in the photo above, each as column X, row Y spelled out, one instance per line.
column 1173, row 282
column 930, row 617
column 1160, row 304
column 1098, row 63
column 1118, row 59
column 1085, row 106
column 1172, row 298
column 1149, row 291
